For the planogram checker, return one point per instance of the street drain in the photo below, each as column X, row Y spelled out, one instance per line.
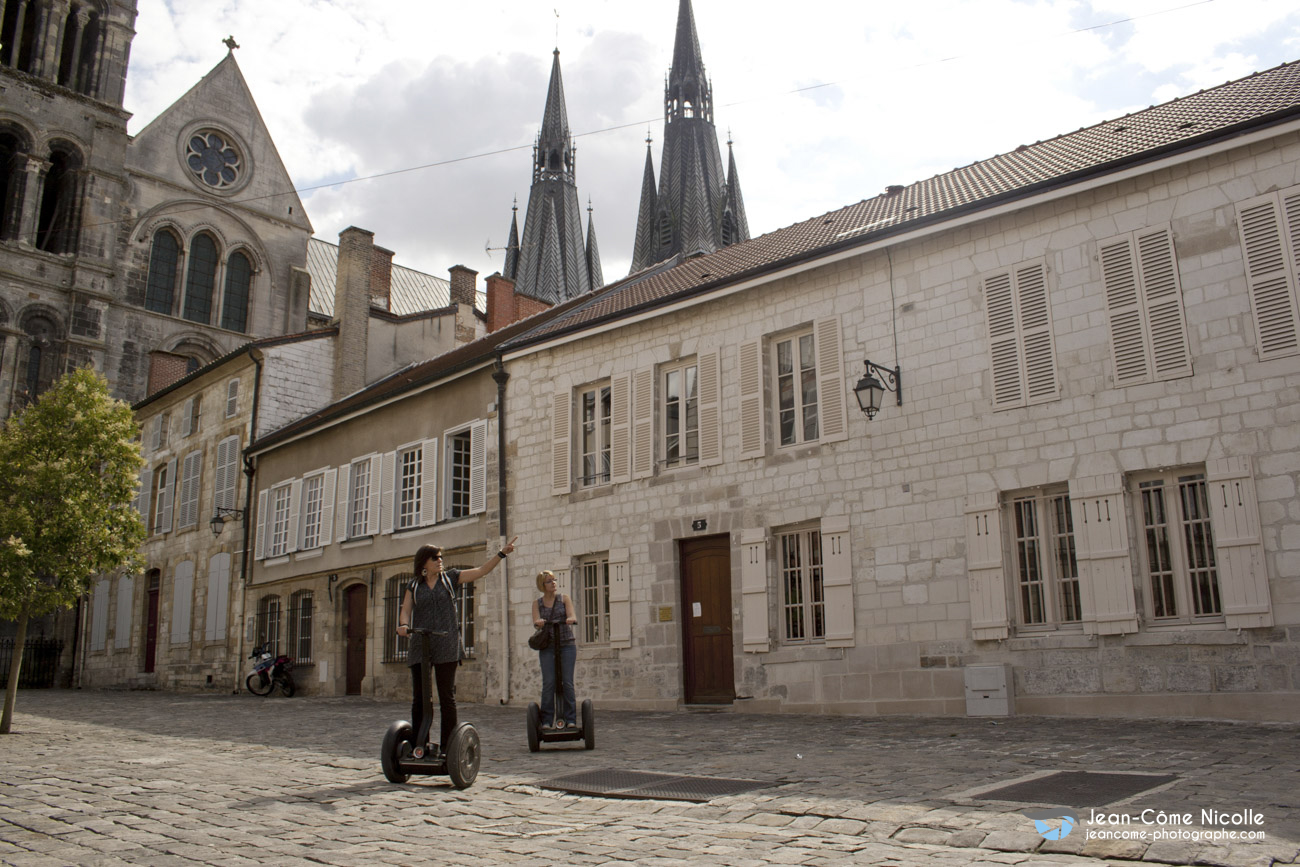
column 610, row 783
column 1077, row 788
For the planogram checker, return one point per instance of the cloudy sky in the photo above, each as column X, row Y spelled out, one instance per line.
column 415, row 119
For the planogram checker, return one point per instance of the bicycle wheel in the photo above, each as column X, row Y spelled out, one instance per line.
column 259, row 684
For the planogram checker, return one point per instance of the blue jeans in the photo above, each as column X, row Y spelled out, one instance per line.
column 568, row 710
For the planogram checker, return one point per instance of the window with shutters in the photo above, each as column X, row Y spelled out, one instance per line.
column 794, row 377
column 803, row 597
column 458, row 469
column 410, row 487
column 359, row 504
column 680, row 414
column 1022, row 349
column 232, row 398
column 1178, row 555
column 161, row 520
column 1046, row 570
column 1269, row 227
column 277, row 540
column 594, row 598
column 1144, row 304
column 160, row 424
column 313, row 509
column 190, row 415
column 187, row 500
column 792, row 388
column 465, row 476
column 225, row 485
column 595, row 409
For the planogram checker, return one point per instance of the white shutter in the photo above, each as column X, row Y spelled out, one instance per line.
column 344, row 499
column 261, row 525
column 984, row 570
column 145, row 496
column 1004, row 343
column 293, row 532
column 620, row 599
column 226, row 482
column 387, row 521
column 182, row 601
column 643, row 429
column 1270, row 241
column 1162, row 298
column 1234, row 515
column 429, row 482
column 99, row 616
column 1035, row 315
column 155, row 438
column 232, row 398
column 754, row 625
column 1128, row 342
column 1101, row 549
column 187, row 418
column 837, row 579
column 125, row 609
column 709, row 419
column 188, row 511
column 376, row 479
column 830, row 380
column 167, row 496
column 751, row 399
column 218, row 604
column 620, row 428
column 478, row 468
column 561, row 449
column 327, row 507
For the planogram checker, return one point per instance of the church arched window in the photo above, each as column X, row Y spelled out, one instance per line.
column 234, row 304
column 41, row 360
column 200, row 279
column 57, row 224
column 164, row 257
column 13, row 164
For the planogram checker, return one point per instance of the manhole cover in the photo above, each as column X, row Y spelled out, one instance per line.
column 643, row 784
column 1077, row 788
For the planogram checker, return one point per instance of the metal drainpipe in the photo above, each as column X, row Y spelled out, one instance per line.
column 500, row 377
column 250, row 471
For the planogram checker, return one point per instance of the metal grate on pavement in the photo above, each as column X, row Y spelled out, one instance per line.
column 1077, row 788
column 613, row 783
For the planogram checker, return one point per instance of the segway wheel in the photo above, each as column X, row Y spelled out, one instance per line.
column 391, row 752
column 534, row 727
column 463, row 756
column 588, row 724
column 254, row 684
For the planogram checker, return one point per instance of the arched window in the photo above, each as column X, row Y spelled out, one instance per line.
column 41, row 361
column 160, row 291
column 57, row 224
column 12, row 178
column 200, row 279
column 234, row 306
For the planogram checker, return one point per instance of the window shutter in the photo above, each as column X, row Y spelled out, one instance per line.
column 620, row 599
column 187, row 418
column 146, row 495
column 376, row 492
column 478, row 468
column 182, row 601
column 710, row 432
column 837, row 578
column 327, row 495
column 1128, row 343
column 166, row 497
column 1162, row 295
column 429, row 482
column 830, row 379
column 1234, row 515
column 232, row 398
column 156, row 438
column 984, row 571
column 751, row 399
column 1036, row 331
column 295, row 509
column 620, row 428
column 1101, row 549
column 1270, row 250
column 643, row 429
column 221, row 475
column 341, row 504
column 189, row 500
column 754, row 624
column 99, row 616
column 386, row 520
column 561, row 450
column 261, row 525
column 218, row 603
column 1004, row 350
column 125, row 608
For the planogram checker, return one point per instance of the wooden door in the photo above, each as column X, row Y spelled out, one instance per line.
column 151, row 622
column 709, row 675
column 355, row 601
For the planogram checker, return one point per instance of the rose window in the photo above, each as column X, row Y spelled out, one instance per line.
column 213, row 160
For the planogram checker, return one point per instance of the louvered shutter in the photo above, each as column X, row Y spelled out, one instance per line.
column 387, row 521
column 156, row 437
column 293, row 531
column 261, row 525
column 1234, row 515
column 429, row 482
column 561, row 449
column 166, row 497
column 751, row 399
column 1036, row 332
column 99, row 616
column 376, row 479
column 218, row 602
column 344, row 498
column 837, row 579
column 620, row 599
column 1128, row 342
column 1270, row 241
column 232, row 398
column 188, row 512
column 182, row 601
column 643, row 431
column 1101, row 550
column 1004, row 344
column 478, row 468
column 1162, row 296
column 710, row 422
column 830, row 379
column 221, row 475
column 620, row 428
column 754, row 624
column 327, row 496
column 187, row 418
column 125, row 609
column 984, row 570
column 145, row 496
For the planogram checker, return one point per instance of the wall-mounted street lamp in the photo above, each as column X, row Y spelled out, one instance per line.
column 870, row 390
column 218, row 521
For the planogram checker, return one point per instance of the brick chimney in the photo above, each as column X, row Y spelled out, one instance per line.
column 381, row 279
column 462, row 285
column 352, row 309
column 504, row 306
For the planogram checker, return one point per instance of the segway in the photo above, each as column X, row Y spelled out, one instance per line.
column 540, row 733
column 397, row 755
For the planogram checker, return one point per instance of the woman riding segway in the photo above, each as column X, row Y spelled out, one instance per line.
column 557, row 719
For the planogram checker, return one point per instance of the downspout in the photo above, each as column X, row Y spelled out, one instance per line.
column 250, row 472
column 500, row 377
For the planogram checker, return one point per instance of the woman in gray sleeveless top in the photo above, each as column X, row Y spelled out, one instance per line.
column 556, row 608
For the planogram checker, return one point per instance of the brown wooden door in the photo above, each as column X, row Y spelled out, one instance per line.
column 355, row 599
column 151, row 622
column 706, row 620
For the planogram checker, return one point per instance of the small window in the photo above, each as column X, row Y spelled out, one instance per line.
column 1046, row 569
column 359, row 499
column 803, row 599
column 313, row 490
column 594, row 436
column 681, row 414
column 300, row 623
column 1179, row 559
column 595, row 599
column 190, row 415
column 394, row 644
column 410, row 476
column 794, row 360
column 266, row 628
column 232, row 398
column 278, row 527
column 458, row 474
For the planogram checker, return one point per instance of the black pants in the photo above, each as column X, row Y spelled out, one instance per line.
column 444, row 673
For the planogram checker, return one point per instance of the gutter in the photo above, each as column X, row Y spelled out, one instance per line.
column 500, row 376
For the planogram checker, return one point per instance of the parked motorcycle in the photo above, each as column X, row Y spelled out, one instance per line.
column 270, row 671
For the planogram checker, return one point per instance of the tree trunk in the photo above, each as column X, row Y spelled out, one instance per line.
column 15, row 667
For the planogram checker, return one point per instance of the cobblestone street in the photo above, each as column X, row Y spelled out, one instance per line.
column 155, row 778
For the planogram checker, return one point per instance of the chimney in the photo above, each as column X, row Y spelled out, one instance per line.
column 381, row 279
column 500, row 302
column 352, row 309
column 462, row 285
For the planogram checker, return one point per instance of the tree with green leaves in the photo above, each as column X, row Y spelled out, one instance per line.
column 69, row 469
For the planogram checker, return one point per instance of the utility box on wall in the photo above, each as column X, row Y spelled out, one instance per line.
column 988, row 690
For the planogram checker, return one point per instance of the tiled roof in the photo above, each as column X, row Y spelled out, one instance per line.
column 1231, row 109
column 412, row 291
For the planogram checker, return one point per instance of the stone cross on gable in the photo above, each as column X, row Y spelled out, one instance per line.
column 230, row 43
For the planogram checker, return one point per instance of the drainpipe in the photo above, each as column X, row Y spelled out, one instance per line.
column 250, row 472
column 501, row 377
